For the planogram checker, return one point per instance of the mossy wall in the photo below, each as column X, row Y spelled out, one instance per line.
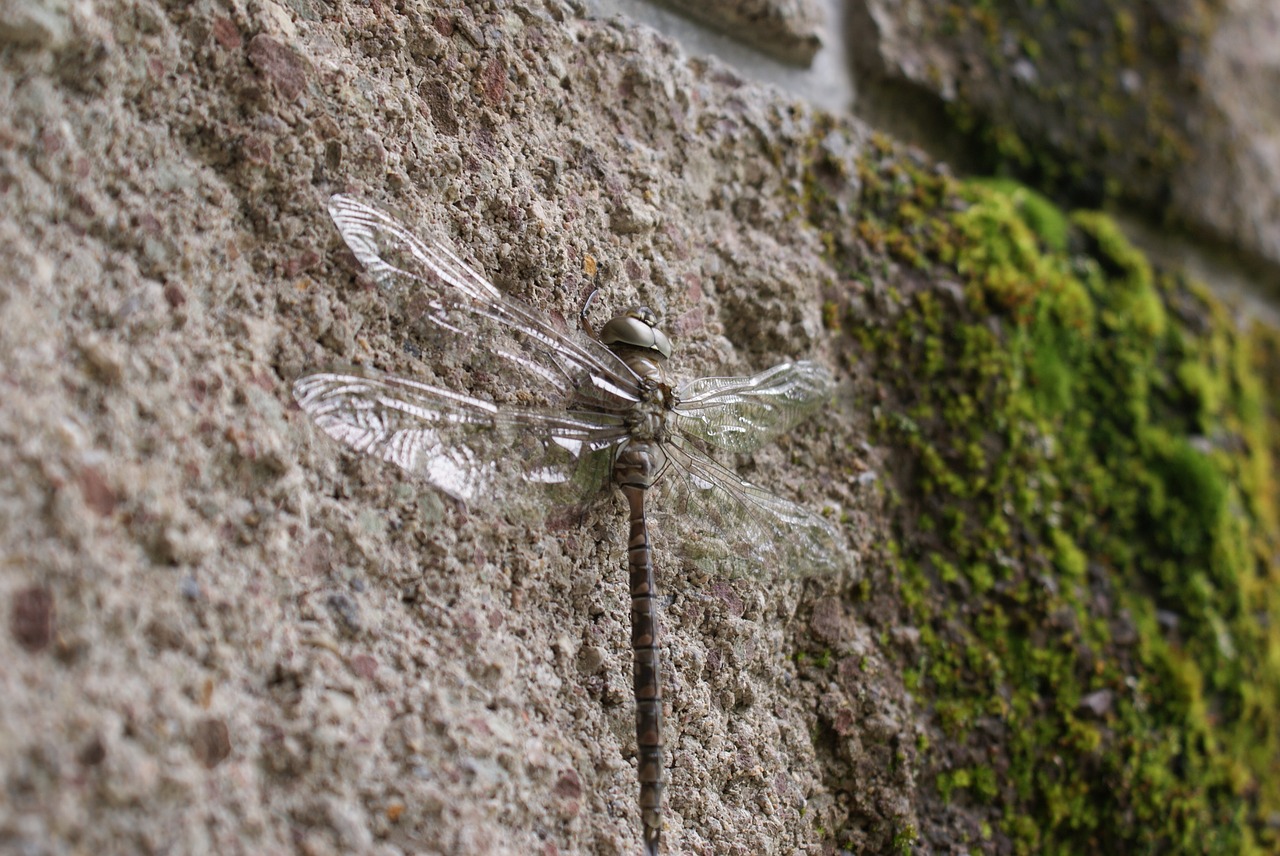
column 1092, row 98
column 1084, row 504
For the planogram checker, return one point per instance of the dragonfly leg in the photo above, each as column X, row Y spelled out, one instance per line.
column 583, row 320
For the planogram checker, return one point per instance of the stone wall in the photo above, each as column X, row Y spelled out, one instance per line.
column 223, row 633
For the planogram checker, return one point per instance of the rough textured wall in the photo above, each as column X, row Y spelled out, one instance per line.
column 223, row 633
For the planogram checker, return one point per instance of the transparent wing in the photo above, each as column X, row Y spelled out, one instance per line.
column 474, row 326
column 740, row 526
column 465, row 446
column 741, row 414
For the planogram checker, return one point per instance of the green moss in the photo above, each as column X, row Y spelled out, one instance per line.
column 1088, row 533
column 1068, row 558
column 1039, row 214
column 904, row 840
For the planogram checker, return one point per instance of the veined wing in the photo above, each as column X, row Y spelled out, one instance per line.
column 741, row 525
column 740, row 414
column 496, row 333
column 465, row 446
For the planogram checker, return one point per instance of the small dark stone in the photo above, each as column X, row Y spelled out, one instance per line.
column 365, row 666
column 93, row 753
column 97, row 494
column 347, row 612
column 226, row 33
column 440, row 105
column 569, row 786
column 174, row 296
column 32, row 618
column 211, row 742
column 279, row 64
column 828, row 622
column 495, row 82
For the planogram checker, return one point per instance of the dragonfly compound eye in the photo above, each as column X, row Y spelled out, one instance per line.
column 638, row 329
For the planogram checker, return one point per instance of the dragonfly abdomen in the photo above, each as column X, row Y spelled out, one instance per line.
column 635, row 470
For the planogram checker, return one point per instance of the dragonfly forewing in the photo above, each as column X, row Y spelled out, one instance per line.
column 462, row 318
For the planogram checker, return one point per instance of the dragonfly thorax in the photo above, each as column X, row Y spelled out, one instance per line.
column 651, row 417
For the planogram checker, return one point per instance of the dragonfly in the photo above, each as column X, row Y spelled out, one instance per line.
column 521, row 403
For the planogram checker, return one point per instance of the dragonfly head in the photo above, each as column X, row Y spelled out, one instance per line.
column 638, row 328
